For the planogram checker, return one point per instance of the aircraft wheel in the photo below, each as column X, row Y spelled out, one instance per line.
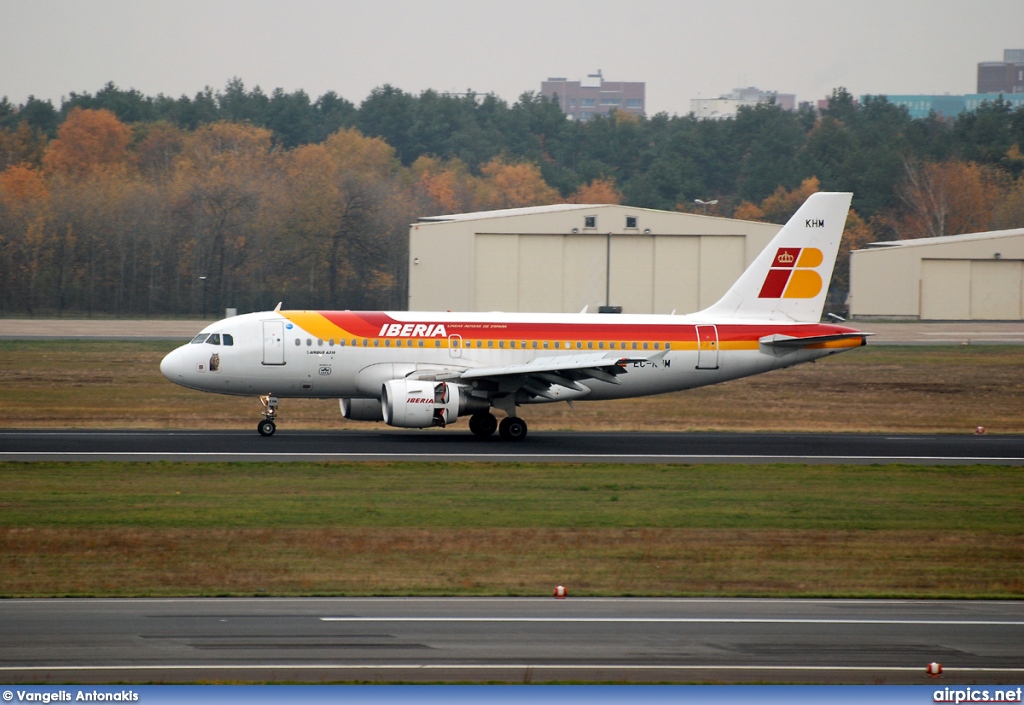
column 266, row 428
column 512, row 429
column 483, row 425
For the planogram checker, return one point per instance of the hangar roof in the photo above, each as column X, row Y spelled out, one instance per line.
column 567, row 208
column 504, row 213
column 948, row 239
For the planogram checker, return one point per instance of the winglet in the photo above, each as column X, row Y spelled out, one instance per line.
column 789, row 279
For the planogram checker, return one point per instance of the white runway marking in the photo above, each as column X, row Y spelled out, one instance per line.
column 681, row 620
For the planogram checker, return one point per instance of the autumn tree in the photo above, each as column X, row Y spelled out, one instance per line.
column 24, row 245
column 780, row 205
column 506, row 185
column 219, row 179
column 344, row 202
column 600, row 190
column 948, row 198
column 444, row 186
column 156, row 148
column 88, row 140
column 22, row 144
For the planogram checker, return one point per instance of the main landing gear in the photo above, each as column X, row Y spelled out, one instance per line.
column 266, row 427
column 484, row 425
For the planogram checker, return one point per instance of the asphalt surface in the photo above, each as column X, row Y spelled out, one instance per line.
column 509, row 640
column 453, row 444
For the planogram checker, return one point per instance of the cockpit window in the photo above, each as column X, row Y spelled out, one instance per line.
column 213, row 339
column 228, row 339
column 200, row 338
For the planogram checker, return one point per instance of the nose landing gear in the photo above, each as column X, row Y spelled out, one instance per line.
column 266, row 427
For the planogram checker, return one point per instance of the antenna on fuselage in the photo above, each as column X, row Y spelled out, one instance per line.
column 278, row 307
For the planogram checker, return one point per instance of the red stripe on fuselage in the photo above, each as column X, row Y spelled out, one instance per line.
column 368, row 324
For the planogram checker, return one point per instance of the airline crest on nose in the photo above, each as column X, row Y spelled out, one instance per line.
column 792, row 274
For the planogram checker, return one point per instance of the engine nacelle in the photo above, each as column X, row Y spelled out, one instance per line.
column 361, row 409
column 413, row 403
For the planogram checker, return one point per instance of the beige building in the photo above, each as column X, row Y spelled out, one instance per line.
column 979, row 276
column 566, row 257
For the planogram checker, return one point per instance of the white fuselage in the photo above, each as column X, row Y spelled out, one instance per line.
column 338, row 363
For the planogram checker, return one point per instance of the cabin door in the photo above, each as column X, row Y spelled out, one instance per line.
column 455, row 345
column 707, row 348
column 273, row 342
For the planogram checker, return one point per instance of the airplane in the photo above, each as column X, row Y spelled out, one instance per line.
column 426, row 370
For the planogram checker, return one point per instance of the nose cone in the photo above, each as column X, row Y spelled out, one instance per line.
column 173, row 366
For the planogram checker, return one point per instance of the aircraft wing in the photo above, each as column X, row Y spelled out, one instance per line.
column 539, row 374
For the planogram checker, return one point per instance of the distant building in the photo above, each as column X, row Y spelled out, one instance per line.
column 1006, row 76
column 726, row 106
column 582, row 100
column 919, row 106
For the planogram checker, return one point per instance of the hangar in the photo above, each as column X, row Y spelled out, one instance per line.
column 565, row 257
column 978, row 276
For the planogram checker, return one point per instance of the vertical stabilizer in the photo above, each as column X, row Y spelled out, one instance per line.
column 789, row 279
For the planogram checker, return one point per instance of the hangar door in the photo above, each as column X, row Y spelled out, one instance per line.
column 988, row 290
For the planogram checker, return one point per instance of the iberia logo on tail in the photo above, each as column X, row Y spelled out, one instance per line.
column 793, row 274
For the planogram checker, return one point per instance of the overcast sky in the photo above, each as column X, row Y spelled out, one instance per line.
column 681, row 49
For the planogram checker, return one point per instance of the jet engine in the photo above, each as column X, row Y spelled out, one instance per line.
column 361, row 409
column 411, row 403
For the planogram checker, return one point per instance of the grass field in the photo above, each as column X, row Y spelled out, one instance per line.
column 361, row 529
column 950, row 389
column 477, row 529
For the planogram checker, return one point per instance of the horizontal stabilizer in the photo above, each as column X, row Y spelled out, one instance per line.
column 790, row 342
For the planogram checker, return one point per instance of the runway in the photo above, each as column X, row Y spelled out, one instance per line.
column 459, row 445
column 509, row 640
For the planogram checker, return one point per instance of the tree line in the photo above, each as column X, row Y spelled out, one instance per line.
column 122, row 204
